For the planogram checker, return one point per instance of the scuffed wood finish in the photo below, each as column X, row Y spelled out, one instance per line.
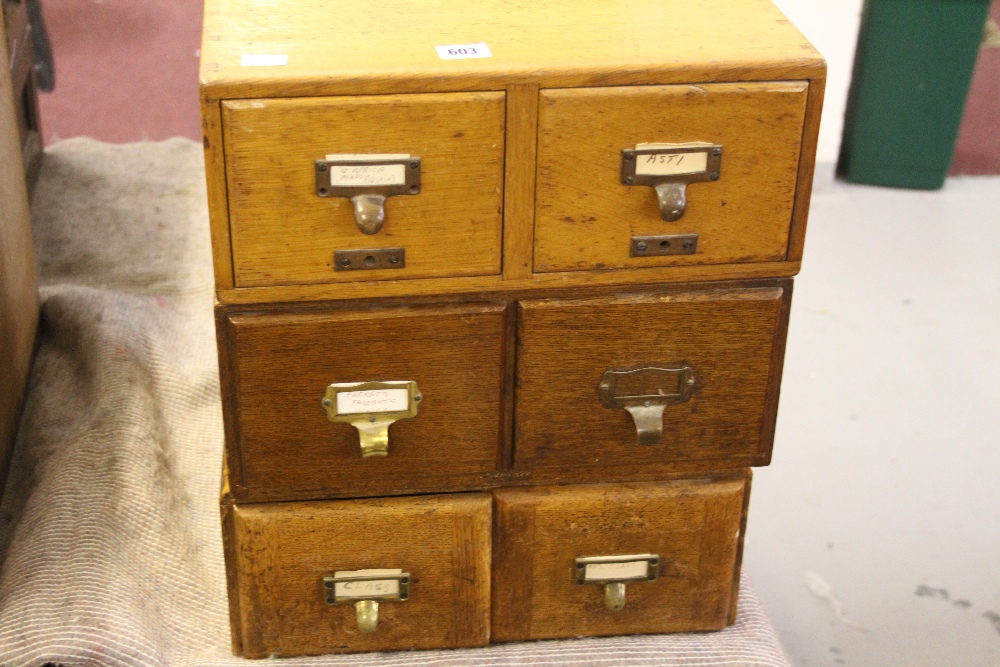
column 695, row 526
column 283, row 233
column 726, row 335
column 277, row 367
column 278, row 554
column 18, row 288
column 351, row 49
column 585, row 217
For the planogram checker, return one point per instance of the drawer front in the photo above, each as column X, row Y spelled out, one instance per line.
column 697, row 372
column 281, row 557
column 284, row 233
column 674, row 546
column 281, row 367
column 586, row 217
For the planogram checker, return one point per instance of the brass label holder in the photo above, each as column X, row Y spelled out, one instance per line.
column 365, row 589
column 367, row 180
column 371, row 407
column 668, row 169
column 645, row 392
column 614, row 572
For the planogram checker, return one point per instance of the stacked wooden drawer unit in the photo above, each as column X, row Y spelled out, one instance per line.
column 500, row 337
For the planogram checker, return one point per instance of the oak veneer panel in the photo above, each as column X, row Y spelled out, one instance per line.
column 694, row 526
column 281, row 444
column 283, row 233
column 278, row 554
column 585, row 217
column 18, row 287
column 731, row 337
column 359, row 48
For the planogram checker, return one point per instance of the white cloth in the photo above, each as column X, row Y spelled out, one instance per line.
column 109, row 528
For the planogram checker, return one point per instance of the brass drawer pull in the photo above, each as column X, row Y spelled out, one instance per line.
column 365, row 589
column 371, row 407
column 614, row 572
column 668, row 168
column 645, row 392
column 367, row 180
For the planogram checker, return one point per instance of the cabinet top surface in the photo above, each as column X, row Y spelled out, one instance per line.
column 358, row 47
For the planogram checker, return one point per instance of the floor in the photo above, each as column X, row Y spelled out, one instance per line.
column 874, row 537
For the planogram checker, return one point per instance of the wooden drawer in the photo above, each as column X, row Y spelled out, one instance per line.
column 279, row 555
column 283, row 233
column 716, row 356
column 686, row 534
column 586, row 216
column 282, row 444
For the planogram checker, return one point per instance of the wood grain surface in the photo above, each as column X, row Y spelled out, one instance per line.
column 354, row 49
column 585, row 216
column 276, row 368
column 695, row 526
column 496, row 285
column 218, row 195
column 277, row 555
column 283, row 233
column 18, row 287
column 565, row 346
column 519, row 189
column 807, row 168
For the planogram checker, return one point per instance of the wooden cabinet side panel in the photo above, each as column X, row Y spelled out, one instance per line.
column 807, row 168
column 229, row 382
column 254, row 548
column 218, row 195
column 230, row 552
column 18, row 287
column 735, row 597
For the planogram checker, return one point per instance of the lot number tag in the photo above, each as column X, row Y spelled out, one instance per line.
column 463, row 51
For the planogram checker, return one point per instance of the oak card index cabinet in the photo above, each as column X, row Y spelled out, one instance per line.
column 502, row 294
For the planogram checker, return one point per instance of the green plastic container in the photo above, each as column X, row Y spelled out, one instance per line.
column 912, row 73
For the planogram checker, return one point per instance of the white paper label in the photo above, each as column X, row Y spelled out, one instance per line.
column 636, row 569
column 368, row 174
column 263, row 60
column 462, row 51
column 365, row 589
column 373, row 400
column 665, row 164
